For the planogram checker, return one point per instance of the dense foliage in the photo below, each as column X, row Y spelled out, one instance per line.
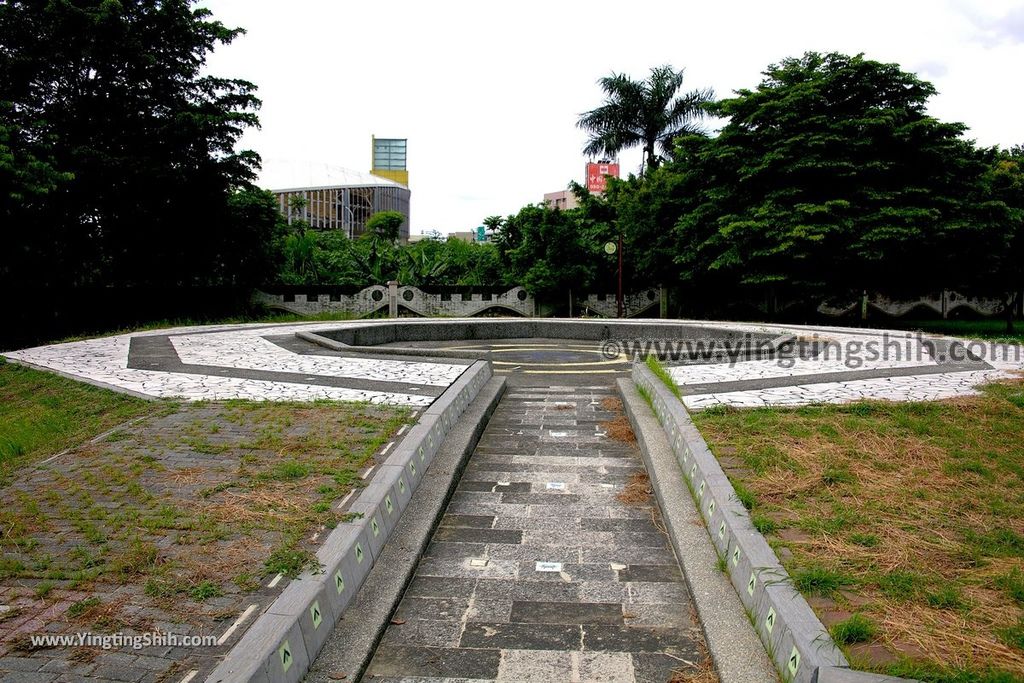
column 828, row 179
column 118, row 167
column 647, row 113
column 117, row 154
column 330, row 258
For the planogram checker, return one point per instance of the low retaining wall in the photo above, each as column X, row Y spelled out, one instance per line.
column 792, row 634
column 392, row 298
column 286, row 638
column 387, row 332
column 633, row 304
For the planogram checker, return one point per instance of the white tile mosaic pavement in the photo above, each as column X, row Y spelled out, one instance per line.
column 251, row 351
column 105, row 361
column 906, row 388
column 244, row 347
column 850, row 350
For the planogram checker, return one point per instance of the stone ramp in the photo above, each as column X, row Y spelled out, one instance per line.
column 539, row 571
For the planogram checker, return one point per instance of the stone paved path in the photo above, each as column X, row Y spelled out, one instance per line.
column 268, row 362
column 538, row 572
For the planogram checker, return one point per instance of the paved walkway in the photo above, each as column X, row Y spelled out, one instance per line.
column 269, row 362
column 539, row 570
column 258, row 362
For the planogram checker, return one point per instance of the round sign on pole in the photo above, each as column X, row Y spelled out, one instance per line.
column 609, row 247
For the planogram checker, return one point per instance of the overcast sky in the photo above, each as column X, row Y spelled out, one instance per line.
column 488, row 94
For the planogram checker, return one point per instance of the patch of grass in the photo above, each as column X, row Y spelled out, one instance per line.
column 204, row 591
column 290, row 560
column 834, row 476
column 865, row 540
column 745, row 495
column 918, row 507
column 856, row 629
column 993, row 330
column 289, row 470
column 1012, row 583
column 246, row 582
column 44, row 589
column 1013, row 635
column 137, row 559
column 79, row 608
column 946, row 597
column 820, row 580
column 764, row 524
column 42, row 414
column 929, row 672
column 999, row 542
column 661, row 373
column 901, row 585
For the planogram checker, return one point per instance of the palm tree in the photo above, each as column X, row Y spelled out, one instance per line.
column 648, row 113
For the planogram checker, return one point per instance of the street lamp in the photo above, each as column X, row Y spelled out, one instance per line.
column 611, row 248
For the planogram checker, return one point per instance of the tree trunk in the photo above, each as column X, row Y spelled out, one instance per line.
column 1011, row 304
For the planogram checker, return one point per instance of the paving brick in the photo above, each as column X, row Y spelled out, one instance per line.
column 565, row 613
column 405, row 661
column 615, row 605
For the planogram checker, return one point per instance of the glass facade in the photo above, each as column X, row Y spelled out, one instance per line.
column 389, row 154
column 344, row 208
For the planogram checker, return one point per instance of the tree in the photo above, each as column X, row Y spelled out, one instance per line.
column 1006, row 182
column 117, row 155
column 545, row 250
column 831, row 176
column 649, row 113
column 385, row 225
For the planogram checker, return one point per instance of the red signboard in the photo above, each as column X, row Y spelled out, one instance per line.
column 596, row 176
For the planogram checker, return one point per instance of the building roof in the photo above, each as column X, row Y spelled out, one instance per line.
column 282, row 175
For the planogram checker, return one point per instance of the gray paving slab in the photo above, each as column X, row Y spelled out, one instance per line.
column 537, row 571
column 738, row 654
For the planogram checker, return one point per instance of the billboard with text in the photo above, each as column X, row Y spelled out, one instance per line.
column 597, row 174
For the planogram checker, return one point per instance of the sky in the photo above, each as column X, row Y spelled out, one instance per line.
column 488, row 94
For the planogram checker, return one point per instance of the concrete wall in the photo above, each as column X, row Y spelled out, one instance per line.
column 941, row 303
column 645, row 303
column 392, row 297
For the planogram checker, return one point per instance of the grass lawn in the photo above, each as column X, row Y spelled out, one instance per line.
column 903, row 523
column 42, row 413
column 993, row 330
column 175, row 518
column 268, row 316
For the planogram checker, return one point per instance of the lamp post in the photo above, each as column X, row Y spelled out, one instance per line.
column 611, row 248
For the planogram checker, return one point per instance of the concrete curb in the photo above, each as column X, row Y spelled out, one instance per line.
column 735, row 649
column 286, row 638
column 335, row 345
column 354, row 640
column 792, row 634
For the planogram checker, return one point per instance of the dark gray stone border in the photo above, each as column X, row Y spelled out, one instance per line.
column 352, row 644
column 794, row 637
column 335, row 345
column 761, row 384
column 735, row 649
column 156, row 352
column 284, row 640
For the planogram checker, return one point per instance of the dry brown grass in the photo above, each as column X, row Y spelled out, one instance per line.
column 619, row 429
column 931, row 492
column 231, row 486
column 637, row 490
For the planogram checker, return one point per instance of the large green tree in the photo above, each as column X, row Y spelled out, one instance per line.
column 649, row 113
column 831, row 174
column 117, row 152
column 1005, row 271
column 546, row 251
